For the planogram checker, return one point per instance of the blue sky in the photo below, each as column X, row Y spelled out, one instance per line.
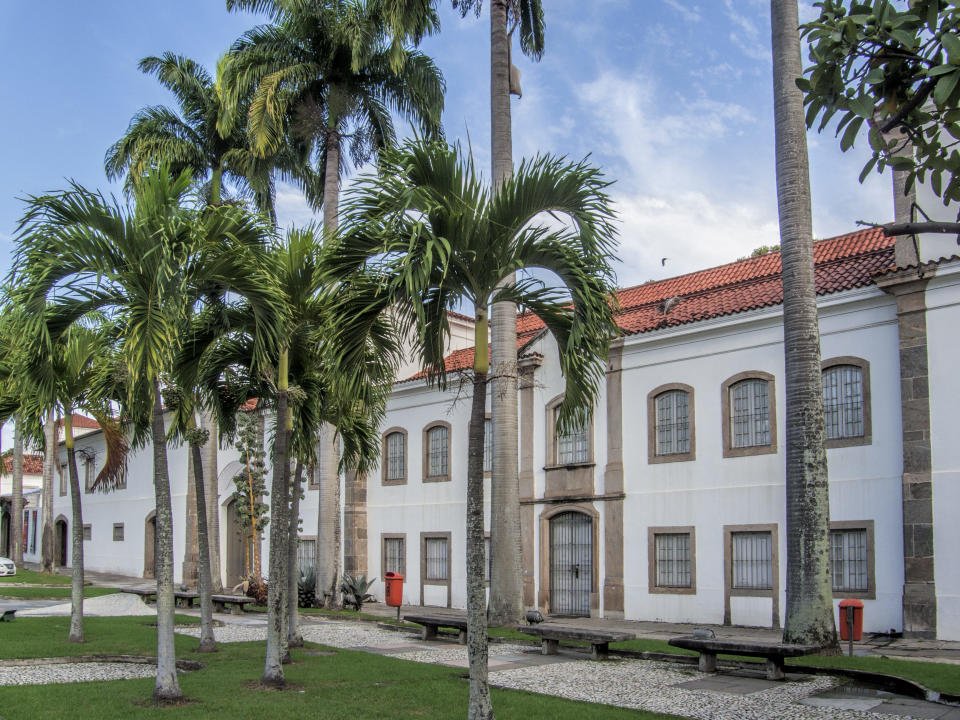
column 672, row 99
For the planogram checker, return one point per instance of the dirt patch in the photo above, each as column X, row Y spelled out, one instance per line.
column 286, row 687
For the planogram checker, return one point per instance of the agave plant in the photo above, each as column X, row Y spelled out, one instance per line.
column 354, row 589
column 307, row 588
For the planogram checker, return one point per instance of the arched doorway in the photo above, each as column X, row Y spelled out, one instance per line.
column 239, row 548
column 60, row 548
column 571, row 563
column 150, row 546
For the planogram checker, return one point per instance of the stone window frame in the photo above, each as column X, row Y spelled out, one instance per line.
column 427, row 478
column 116, row 527
column 64, row 481
column 551, row 437
column 728, row 450
column 652, row 457
column 383, row 553
column 406, row 456
column 773, row 592
column 864, row 365
column 871, row 592
column 487, row 417
column 652, row 533
column 87, row 531
column 448, row 536
column 89, row 472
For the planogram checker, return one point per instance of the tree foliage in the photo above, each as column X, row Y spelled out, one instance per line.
column 878, row 67
column 250, row 484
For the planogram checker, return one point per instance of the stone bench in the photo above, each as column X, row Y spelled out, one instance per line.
column 236, row 603
column 431, row 623
column 181, row 598
column 148, row 594
column 551, row 635
column 773, row 653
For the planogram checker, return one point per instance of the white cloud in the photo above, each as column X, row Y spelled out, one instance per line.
column 690, row 13
column 292, row 207
column 747, row 35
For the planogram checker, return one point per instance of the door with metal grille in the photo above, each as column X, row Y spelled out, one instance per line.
column 571, row 564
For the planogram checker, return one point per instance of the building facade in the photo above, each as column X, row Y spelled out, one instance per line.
column 669, row 504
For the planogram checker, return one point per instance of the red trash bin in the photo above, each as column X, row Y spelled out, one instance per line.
column 855, row 607
column 394, row 593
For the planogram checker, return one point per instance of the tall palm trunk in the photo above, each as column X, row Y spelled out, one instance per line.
column 328, row 522
column 167, row 688
column 276, row 589
column 294, row 639
column 207, row 641
column 809, row 611
column 76, row 534
column 16, row 519
column 328, row 514
column 209, row 423
column 49, row 460
column 480, row 708
column 506, row 578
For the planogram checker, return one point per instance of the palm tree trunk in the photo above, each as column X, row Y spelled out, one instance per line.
column 207, row 641
column 506, row 575
column 49, row 460
column 16, row 519
column 294, row 639
column 216, row 184
column 809, row 610
column 480, row 707
column 167, row 688
column 188, row 569
column 209, row 423
column 328, row 522
column 328, row 514
column 76, row 560
column 276, row 589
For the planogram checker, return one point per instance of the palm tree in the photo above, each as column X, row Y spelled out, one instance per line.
column 328, row 75
column 335, row 362
column 439, row 238
column 506, row 574
column 809, row 612
column 67, row 378
column 146, row 268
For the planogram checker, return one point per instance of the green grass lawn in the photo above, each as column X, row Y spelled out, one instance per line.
column 348, row 684
column 34, row 578
column 55, row 593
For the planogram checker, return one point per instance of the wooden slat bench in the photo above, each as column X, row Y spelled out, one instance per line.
column 773, row 653
column 551, row 635
column 431, row 623
column 236, row 603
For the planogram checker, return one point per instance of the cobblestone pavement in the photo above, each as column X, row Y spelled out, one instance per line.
column 73, row 672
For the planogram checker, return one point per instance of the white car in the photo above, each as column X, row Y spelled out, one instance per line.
column 7, row 567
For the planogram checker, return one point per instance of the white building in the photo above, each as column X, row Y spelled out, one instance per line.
column 670, row 505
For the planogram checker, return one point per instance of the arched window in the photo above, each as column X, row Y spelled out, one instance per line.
column 394, row 457
column 436, row 452
column 846, row 401
column 750, row 426
column 670, row 436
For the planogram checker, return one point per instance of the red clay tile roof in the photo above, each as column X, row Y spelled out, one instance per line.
column 82, row 421
column 842, row 263
column 32, row 465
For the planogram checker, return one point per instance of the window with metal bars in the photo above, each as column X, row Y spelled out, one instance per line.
column 848, row 557
column 438, row 443
column 673, row 560
column 396, row 456
column 843, row 401
column 88, row 475
column 673, row 422
column 750, row 413
column 487, row 445
column 573, row 446
column 437, row 559
column 394, row 555
column 63, row 479
column 306, row 553
column 752, row 560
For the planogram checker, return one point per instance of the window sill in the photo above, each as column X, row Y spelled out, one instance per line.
column 570, row 466
column 388, row 483
column 750, row 451
column 854, row 595
column 751, row 592
column 663, row 590
column 671, row 458
column 436, row 478
column 848, row 442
